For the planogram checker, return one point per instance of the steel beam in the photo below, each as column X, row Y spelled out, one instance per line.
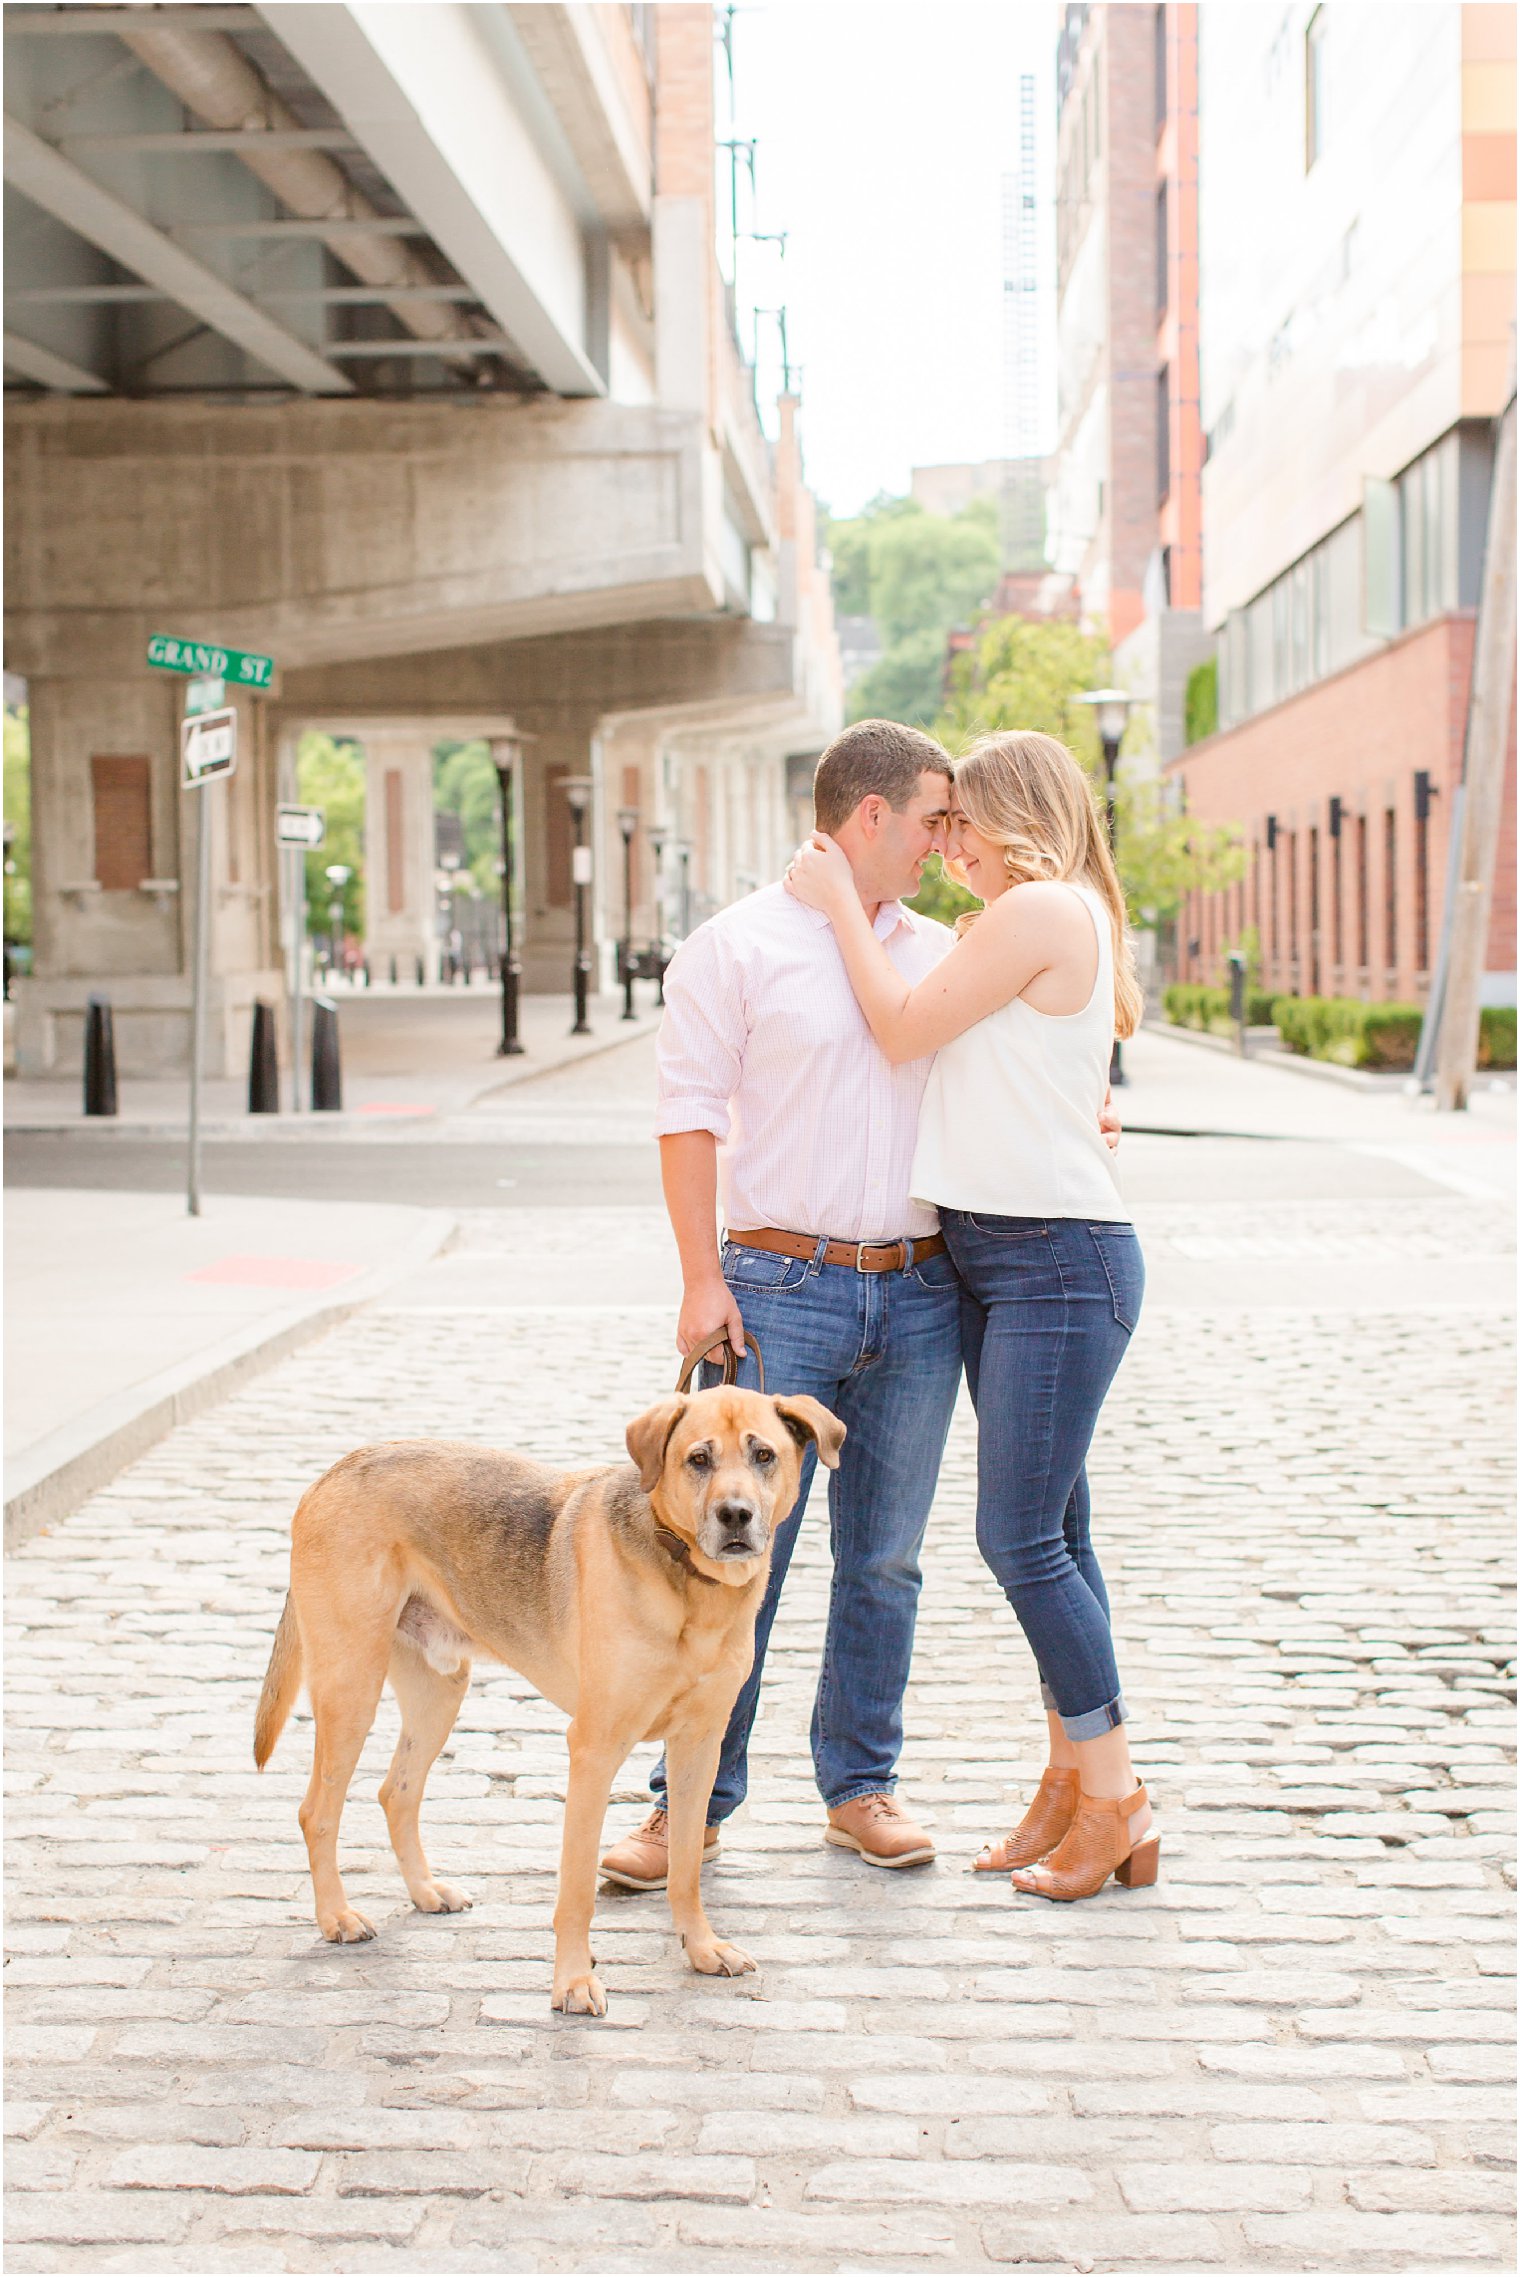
column 71, row 22
column 346, row 296
column 486, row 343
column 383, row 225
column 75, row 198
column 199, row 140
column 50, row 370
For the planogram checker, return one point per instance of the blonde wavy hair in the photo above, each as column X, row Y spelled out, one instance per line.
column 1027, row 794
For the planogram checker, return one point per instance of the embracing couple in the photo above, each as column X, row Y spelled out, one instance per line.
column 914, row 1143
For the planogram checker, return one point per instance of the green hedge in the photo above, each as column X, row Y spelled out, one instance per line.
column 1353, row 1034
column 1496, row 1036
column 1189, row 1005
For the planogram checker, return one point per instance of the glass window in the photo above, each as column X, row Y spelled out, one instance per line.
column 1160, row 69
column 1382, row 601
column 1163, row 431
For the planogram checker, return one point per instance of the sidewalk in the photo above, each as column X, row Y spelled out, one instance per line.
column 1185, row 1086
column 410, row 1056
column 125, row 1316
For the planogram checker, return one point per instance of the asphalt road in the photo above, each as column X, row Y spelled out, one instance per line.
column 530, row 1172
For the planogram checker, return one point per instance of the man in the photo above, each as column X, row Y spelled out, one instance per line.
column 770, row 1075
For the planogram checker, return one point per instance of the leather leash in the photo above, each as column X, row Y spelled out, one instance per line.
column 694, row 1360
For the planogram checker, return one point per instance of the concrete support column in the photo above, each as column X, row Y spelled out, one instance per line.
column 563, row 745
column 400, row 903
column 114, row 852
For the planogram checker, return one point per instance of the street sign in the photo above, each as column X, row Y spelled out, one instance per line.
column 205, row 695
column 300, row 825
column 208, row 746
column 168, row 653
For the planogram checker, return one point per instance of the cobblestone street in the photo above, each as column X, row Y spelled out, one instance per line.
column 1291, row 2054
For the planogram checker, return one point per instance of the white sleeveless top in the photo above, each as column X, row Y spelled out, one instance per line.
column 1009, row 1123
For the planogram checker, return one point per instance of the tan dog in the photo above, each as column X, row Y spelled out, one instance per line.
column 627, row 1596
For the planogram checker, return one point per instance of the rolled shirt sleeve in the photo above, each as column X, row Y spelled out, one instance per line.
column 700, row 1052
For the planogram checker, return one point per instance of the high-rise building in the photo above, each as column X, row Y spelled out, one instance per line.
column 1357, row 294
column 1125, row 513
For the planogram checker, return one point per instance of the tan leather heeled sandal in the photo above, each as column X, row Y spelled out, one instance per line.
column 1096, row 1846
column 1040, row 1829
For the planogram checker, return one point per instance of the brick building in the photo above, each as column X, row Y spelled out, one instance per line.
column 1354, row 357
column 1126, row 509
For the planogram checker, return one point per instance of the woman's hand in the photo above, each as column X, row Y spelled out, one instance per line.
column 820, row 875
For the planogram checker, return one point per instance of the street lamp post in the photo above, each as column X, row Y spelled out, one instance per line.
column 658, row 836
column 504, row 755
column 578, row 789
column 628, row 823
column 1111, row 708
column 338, row 875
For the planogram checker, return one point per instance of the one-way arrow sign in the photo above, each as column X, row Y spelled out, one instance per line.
column 300, row 825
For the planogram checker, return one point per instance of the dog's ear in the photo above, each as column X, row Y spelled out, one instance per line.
column 649, row 1435
column 807, row 1419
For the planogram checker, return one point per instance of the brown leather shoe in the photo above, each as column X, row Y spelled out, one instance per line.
column 880, row 1829
column 641, row 1861
column 1043, row 1825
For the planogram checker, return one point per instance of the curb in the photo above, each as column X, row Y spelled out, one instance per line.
column 349, row 1123
column 1381, row 1083
column 52, row 1478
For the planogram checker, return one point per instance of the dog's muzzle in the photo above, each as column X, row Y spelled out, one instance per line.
column 733, row 1530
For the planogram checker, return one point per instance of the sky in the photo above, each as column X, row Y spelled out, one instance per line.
column 883, row 130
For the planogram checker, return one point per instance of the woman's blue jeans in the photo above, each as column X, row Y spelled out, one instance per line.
column 1047, row 1309
column 882, row 1351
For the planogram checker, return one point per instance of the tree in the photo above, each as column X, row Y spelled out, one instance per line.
column 915, row 574
column 906, row 684
column 465, row 783
column 330, row 775
column 1026, row 673
column 18, row 814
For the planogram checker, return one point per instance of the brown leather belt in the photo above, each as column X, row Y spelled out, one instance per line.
column 860, row 1256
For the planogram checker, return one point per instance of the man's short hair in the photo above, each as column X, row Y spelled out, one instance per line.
column 876, row 758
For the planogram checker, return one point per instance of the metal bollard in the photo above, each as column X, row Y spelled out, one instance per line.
column 99, row 1058
column 263, row 1063
column 326, row 1070
column 393, row 972
column 421, row 974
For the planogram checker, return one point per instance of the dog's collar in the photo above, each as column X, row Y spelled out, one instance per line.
column 680, row 1550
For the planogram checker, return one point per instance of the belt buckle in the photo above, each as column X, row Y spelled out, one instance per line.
column 882, row 1249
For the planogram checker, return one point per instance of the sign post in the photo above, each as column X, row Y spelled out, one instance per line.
column 296, row 829
column 208, row 749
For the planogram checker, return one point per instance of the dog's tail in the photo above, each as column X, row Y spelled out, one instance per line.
column 282, row 1682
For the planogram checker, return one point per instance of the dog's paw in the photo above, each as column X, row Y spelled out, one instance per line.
column 441, row 1897
column 345, row 1927
column 720, row 1960
column 581, row 1996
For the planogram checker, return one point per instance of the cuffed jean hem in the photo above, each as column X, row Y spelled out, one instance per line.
column 861, row 1787
column 1096, row 1721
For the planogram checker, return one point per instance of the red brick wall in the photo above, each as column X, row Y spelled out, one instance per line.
column 1360, row 736
column 1129, row 134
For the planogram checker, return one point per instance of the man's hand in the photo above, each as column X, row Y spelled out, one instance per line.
column 1109, row 1123
column 708, row 1308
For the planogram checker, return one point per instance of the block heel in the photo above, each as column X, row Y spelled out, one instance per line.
column 1138, row 1871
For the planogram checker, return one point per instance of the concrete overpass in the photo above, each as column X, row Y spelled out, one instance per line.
column 390, row 341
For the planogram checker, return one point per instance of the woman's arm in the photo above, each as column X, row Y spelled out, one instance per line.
column 991, row 964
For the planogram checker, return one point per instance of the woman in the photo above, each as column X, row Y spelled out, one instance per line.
column 1023, row 1014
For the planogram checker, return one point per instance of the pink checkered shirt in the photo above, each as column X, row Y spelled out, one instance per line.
column 764, row 1045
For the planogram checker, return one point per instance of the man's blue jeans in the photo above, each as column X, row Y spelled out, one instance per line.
column 882, row 1351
